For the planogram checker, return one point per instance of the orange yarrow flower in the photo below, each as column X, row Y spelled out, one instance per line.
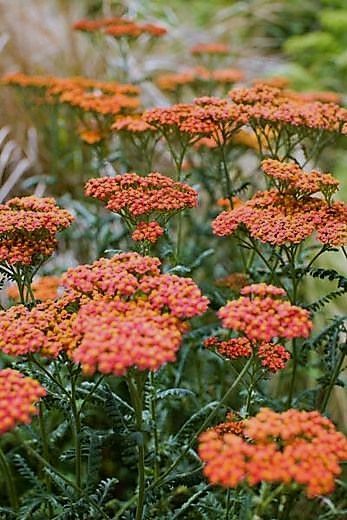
column 261, row 316
column 28, row 228
column 18, row 397
column 293, row 447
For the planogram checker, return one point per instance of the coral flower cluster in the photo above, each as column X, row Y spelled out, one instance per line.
column 210, row 117
column 44, row 288
column 210, row 48
column 272, row 356
column 119, row 27
column 46, row 329
column 149, row 231
column 28, row 228
column 262, row 317
column 276, row 107
column 18, row 397
column 115, row 336
column 294, row 448
column 281, row 218
column 198, row 77
column 114, row 314
column 154, row 198
column 102, row 98
column 290, row 178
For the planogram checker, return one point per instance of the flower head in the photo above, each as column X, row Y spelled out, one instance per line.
column 210, row 48
column 289, row 178
column 28, row 227
column 45, row 329
column 293, row 447
column 281, row 218
column 18, row 397
column 119, row 27
column 115, row 336
column 149, row 231
column 262, row 317
column 138, row 199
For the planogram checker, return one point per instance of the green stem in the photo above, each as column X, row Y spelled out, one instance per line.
column 136, row 388
column 250, row 390
column 227, row 504
column 76, row 426
column 155, row 428
column 293, row 374
column 9, row 482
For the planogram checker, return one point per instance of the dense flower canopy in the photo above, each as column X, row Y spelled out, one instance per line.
column 28, row 227
column 292, row 447
column 18, row 397
column 115, row 313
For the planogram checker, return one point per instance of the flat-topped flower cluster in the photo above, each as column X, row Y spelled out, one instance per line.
column 293, row 447
column 115, row 314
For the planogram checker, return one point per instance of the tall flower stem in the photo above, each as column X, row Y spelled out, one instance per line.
column 9, row 482
column 155, row 427
column 136, row 390
column 76, row 426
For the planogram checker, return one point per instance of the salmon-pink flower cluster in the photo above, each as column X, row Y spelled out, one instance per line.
column 278, row 219
column 155, row 197
column 115, row 336
column 232, row 348
column 119, row 27
column 290, row 178
column 115, row 313
column 18, row 397
column 28, row 227
column 263, row 317
column 272, row 356
column 274, row 106
column 205, row 117
column 130, row 275
column 119, row 276
column 293, row 447
column 198, row 77
column 45, row 329
column 210, row 48
column 133, row 123
column 130, row 314
column 149, row 231
column 137, row 196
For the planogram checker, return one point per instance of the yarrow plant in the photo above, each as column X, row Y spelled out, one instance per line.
column 182, row 296
column 283, row 451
